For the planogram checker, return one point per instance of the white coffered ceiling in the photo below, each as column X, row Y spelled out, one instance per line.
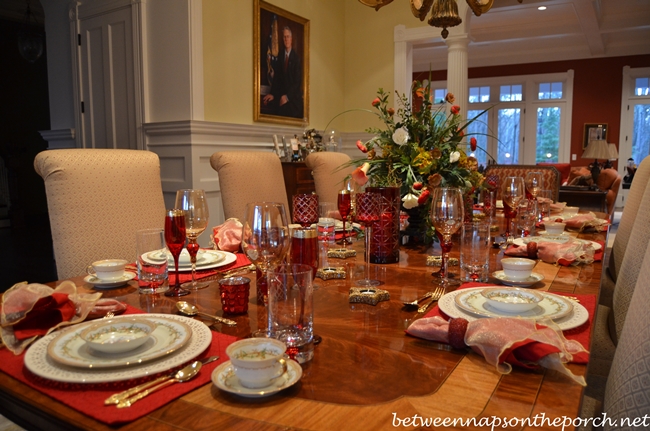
column 512, row 33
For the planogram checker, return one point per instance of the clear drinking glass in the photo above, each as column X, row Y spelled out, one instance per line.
column 475, row 250
column 265, row 239
column 447, row 215
column 151, row 259
column 368, row 205
column 195, row 205
column 533, row 187
column 544, row 201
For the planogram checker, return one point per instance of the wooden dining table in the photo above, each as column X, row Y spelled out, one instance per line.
column 366, row 374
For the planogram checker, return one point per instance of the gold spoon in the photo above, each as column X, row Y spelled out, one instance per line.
column 191, row 310
column 183, row 375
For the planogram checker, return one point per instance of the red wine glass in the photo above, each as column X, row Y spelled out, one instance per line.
column 447, row 215
column 195, row 205
column 368, row 208
column 175, row 240
column 345, row 206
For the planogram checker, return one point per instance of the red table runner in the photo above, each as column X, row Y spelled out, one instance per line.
column 582, row 333
column 89, row 398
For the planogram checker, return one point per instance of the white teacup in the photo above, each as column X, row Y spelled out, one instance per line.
column 517, row 268
column 107, row 269
column 554, row 228
column 257, row 361
column 571, row 211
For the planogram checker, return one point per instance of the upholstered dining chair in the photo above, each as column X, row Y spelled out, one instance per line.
column 625, row 384
column 329, row 173
column 248, row 176
column 551, row 177
column 97, row 199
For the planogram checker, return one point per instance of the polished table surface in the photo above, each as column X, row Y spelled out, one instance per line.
column 367, row 374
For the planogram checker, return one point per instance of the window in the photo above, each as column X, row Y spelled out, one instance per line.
column 506, row 133
column 439, row 95
column 642, row 87
column 635, row 116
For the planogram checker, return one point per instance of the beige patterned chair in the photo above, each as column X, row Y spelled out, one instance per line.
column 97, row 199
column 627, row 394
column 328, row 173
column 248, row 176
column 551, row 177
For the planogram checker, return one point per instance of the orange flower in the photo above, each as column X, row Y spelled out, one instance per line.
column 360, row 174
column 472, row 143
column 424, row 197
column 390, row 111
column 450, row 98
column 436, row 154
column 376, row 102
column 361, row 147
column 455, row 109
column 435, row 180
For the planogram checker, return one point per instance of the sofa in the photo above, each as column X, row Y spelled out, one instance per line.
column 608, row 180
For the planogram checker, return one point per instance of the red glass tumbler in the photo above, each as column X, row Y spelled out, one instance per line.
column 304, row 248
column 234, row 293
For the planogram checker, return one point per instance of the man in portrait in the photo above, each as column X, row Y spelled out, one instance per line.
column 285, row 97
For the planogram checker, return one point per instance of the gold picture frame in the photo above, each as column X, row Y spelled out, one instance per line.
column 593, row 131
column 278, row 97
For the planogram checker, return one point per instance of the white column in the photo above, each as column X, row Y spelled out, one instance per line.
column 457, row 70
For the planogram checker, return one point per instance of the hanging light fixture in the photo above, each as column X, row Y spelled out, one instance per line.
column 30, row 40
column 444, row 13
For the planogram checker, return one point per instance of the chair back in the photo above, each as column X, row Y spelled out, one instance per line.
column 551, row 177
column 632, row 203
column 248, row 176
column 627, row 393
column 631, row 266
column 97, row 199
column 328, row 173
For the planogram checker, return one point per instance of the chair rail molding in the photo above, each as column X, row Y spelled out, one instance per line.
column 57, row 139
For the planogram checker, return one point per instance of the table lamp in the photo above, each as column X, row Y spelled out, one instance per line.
column 613, row 155
column 597, row 149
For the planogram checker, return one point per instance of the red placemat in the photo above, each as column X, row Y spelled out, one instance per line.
column 89, row 399
column 582, row 333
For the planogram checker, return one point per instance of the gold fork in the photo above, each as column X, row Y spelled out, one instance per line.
column 436, row 295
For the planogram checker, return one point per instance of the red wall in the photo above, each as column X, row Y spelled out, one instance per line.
column 597, row 88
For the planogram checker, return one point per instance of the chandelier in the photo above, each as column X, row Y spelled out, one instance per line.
column 30, row 39
column 444, row 13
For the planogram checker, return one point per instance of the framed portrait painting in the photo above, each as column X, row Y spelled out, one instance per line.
column 592, row 132
column 281, row 87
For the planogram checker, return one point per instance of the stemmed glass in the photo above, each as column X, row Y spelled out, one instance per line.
column 447, row 215
column 265, row 239
column 533, row 187
column 194, row 204
column 368, row 206
column 512, row 192
column 345, row 206
column 175, row 240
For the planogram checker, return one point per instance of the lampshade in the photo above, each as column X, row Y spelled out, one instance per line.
column 613, row 152
column 597, row 149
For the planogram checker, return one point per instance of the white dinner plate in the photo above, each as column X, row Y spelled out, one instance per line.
column 225, row 379
column 70, row 349
column 447, row 305
column 38, row 362
column 555, row 238
column 209, row 259
column 527, row 282
column 98, row 283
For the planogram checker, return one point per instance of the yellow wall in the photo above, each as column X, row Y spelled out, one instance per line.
column 351, row 56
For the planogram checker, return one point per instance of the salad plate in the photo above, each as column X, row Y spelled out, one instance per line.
column 208, row 259
column 41, row 364
column 69, row 348
column 574, row 318
column 224, row 378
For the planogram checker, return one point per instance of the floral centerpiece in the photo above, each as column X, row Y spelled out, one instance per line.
column 418, row 150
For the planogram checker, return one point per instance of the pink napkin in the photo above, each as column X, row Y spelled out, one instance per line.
column 227, row 236
column 567, row 254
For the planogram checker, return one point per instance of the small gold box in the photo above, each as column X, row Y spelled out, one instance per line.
column 368, row 295
column 341, row 253
column 330, row 272
column 437, row 261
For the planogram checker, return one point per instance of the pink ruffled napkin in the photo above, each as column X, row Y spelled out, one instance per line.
column 227, row 236
column 505, row 341
column 567, row 254
column 33, row 310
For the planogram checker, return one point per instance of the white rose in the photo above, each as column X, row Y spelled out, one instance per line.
column 454, row 157
column 410, row 201
column 401, row 136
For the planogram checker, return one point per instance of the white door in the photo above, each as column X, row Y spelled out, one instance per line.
column 107, row 81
